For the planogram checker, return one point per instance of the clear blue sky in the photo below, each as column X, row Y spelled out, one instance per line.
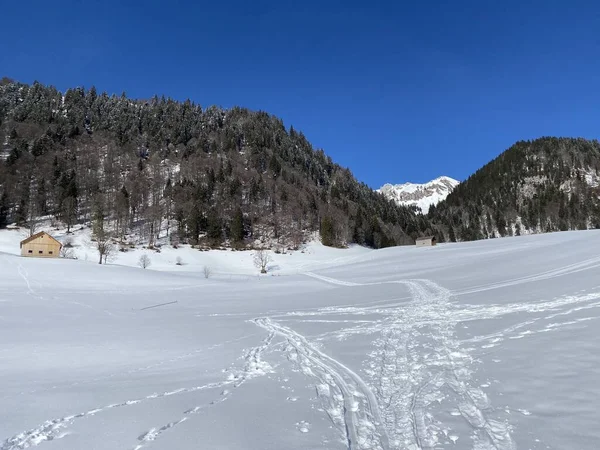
column 396, row 91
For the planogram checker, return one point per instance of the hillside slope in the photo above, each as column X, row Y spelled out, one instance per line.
column 544, row 185
column 201, row 175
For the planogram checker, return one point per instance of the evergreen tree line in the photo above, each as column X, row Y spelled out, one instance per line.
column 162, row 167
column 548, row 184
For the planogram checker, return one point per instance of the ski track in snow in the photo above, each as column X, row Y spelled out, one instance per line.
column 349, row 402
column 417, row 364
column 417, row 375
column 23, row 273
column 419, row 370
column 588, row 264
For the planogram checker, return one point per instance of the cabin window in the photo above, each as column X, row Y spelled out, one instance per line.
column 30, row 251
column 50, row 252
column 41, row 252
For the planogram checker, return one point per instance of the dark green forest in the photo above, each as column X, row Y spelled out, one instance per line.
column 548, row 184
column 164, row 168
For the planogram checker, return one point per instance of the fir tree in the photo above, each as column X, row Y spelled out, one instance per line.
column 3, row 210
column 327, row 231
column 237, row 226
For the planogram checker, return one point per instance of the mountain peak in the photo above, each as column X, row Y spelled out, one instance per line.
column 422, row 195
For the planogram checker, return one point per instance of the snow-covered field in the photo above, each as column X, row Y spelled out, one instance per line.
column 222, row 263
column 485, row 345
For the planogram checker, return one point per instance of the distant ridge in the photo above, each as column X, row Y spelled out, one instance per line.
column 420, row 195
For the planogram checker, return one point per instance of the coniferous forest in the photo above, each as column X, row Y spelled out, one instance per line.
column 549, row 184
column 235, row 177
column 159, row 167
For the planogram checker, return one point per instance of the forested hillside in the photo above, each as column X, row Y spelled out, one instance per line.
column 548, row 184
column 159, row 167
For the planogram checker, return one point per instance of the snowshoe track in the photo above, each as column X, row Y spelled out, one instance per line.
column 56, row 428
column 418, row 371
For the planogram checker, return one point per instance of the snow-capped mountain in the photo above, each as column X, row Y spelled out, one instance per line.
column 421, row 195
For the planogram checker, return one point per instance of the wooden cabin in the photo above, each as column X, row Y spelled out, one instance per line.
column 426, row 241
column 41, row 245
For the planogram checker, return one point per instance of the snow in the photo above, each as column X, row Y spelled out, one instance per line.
column 420, row 195
column 480, row 345
column 591, row 177
column 222, row 263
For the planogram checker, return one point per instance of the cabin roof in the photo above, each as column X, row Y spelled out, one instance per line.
column 37, row 235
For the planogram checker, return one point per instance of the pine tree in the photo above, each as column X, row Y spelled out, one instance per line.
column 122, row 211
column 214, row 229
column 3, row 210
column 68, row 198
column 327, row 232
column 98, row 215
column 237, row 226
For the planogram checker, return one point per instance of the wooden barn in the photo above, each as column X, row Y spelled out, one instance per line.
column 41, row 245
column 426, row 241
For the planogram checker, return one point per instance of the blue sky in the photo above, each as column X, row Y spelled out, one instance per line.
column 395, row 91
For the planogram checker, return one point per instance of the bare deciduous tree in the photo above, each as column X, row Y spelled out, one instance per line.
column 106, row 248
column 69, row 212
column 67, row 252
column 262, row 259
column 207, row 271
column 296, row 238
column 29, row 229
column 32, row 227
column 144, row 261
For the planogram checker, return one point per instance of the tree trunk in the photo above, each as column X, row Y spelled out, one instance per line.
column 151, row 243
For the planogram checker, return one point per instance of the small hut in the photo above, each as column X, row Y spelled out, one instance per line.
column 426, row 241
column 41, row 245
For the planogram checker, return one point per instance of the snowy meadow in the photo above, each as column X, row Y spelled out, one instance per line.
column 483, row 345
